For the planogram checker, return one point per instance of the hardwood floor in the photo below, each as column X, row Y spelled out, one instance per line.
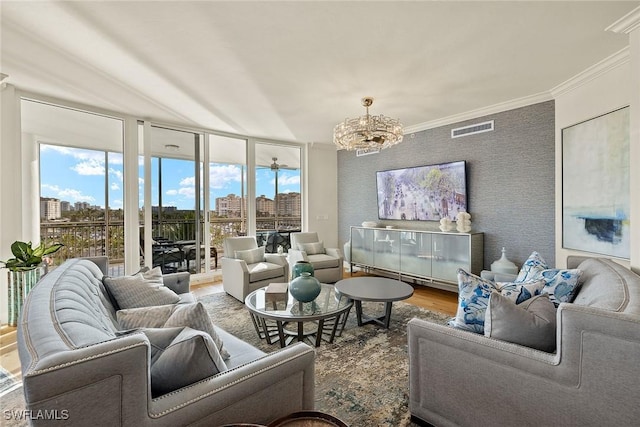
column 424, row 296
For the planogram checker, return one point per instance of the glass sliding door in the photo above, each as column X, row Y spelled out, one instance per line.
column 227, row 191
column 176, row 200
column 278, row 194
column 80, row 180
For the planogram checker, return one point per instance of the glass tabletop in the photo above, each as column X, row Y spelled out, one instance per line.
column 327, row 304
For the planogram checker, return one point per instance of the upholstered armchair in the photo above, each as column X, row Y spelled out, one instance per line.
column 246, row 267
column 326, row 262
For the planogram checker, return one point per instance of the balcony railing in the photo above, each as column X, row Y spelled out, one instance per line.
column 95, row 238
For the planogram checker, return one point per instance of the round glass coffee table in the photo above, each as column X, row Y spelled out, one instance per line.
column 378, row 289
column 289, row 320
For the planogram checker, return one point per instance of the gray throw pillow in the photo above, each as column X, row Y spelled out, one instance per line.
column 188, row 358
column 140, row 290
column 531, row 323
column 144, row 317
column 195, row 316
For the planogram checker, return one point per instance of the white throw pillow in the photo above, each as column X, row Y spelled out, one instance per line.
column 250, row 256
column 312, row 248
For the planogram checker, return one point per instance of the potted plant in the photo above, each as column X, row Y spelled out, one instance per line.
column 25, row 269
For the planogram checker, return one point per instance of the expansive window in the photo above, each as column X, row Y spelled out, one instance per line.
column 195, row 188
column 81, row 180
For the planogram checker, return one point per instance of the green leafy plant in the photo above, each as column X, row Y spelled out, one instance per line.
column 26, row 257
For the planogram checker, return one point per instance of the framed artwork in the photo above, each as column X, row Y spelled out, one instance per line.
column 596, row 185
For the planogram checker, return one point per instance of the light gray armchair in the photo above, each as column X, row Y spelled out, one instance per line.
column 245, row 267
column 326, row 262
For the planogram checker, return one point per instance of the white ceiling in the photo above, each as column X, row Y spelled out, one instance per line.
column 292, row 70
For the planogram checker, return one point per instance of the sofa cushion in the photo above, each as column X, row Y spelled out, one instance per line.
column 189, row 357
column 264, row 270
column 473, row 298
column 312, row 248
column 140, row 290
column 532, row 323
column 250, row 256
column 194, row 316
column 531, row 267
column 321, row 261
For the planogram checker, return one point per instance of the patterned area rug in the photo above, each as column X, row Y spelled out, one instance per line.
column 363, row 376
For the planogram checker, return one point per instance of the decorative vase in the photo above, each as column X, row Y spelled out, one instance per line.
column 305, row 288
column 19, row 285
column 503, row 265
column 301, row 267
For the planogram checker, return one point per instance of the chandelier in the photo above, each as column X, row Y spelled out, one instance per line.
column 367, row 132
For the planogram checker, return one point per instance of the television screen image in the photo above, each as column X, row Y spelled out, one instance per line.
column 422, row 193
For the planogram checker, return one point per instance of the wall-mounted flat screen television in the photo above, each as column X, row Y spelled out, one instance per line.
column 423, row 193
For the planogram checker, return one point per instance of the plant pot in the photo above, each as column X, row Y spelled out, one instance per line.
column 301, row 267
column 305, row 288
column 19, row 285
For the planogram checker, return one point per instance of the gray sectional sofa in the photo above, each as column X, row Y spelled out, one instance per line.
column 458, row 378
column 77, row 366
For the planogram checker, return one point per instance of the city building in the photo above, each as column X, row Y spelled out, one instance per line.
column 50, row 208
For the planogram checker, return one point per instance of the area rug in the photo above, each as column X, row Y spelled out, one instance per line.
column 363, row 376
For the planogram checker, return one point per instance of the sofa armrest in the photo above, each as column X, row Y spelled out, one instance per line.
column 102, row 382
column 180, row 282
column 235, row 277
column 275, row 385
column 592, row 361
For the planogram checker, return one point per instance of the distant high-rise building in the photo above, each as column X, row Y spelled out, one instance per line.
column 230, row 206
column 49, row 208
column 65, row 206
column 79, row 206
column 289, row 204
column 264, row 206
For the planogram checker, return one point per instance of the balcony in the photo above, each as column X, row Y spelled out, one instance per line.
column 96, row 238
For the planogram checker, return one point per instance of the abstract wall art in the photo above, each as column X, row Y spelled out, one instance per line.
column 596, row 185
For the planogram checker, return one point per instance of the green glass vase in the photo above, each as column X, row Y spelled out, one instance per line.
column 301, row 267
column 305, row 288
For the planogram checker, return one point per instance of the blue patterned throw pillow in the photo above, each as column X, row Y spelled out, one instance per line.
column 531, row 268
column 560, row 285
column 519, row 292
column 473, row 298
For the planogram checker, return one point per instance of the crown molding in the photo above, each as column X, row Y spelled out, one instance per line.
column 611, row 62
column 485, row 111
column 626, row 24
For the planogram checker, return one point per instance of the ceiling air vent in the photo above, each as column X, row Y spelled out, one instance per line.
column 366, row 152
column 472, row 129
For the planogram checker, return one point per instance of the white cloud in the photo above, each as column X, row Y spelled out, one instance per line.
column 171, row 192
column 220, row 176
column 117, row 173
column 76, row 153
column 68, row 194
column 285, row 179
column 90, row 167
column 115, row 187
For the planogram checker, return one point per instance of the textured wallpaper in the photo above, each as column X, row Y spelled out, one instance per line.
column 510, row 180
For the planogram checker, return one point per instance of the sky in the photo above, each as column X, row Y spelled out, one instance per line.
column 78, row 175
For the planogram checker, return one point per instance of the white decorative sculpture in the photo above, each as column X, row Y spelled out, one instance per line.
column 463, row 222
column 446, row 224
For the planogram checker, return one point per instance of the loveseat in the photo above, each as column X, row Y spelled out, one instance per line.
column 78, row 365
column 460, row 378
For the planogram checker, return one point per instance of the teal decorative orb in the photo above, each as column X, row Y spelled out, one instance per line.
column 305, row 288
column 300, row 267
